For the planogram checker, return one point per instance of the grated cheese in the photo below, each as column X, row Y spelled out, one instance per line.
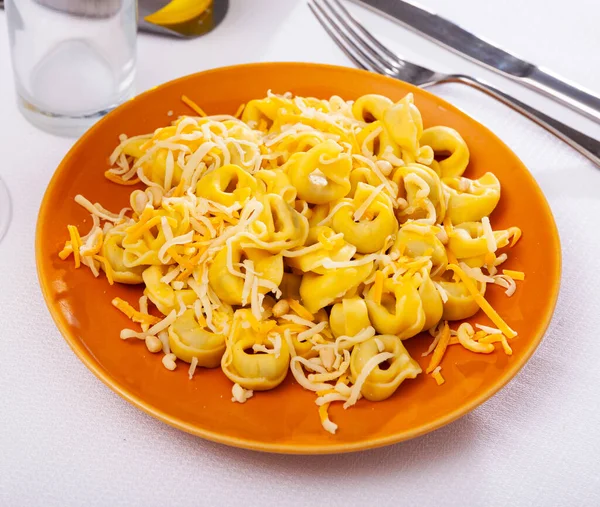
column 325, row 421
column 360, row 211
column 442, row 292
column 333, row 211
column 515, row 275
column 192, row 105
column 501, row 339
column 163, row 336
column 133, row 314
column 153, row 331
column 196, row 229
column 193, row 366
column 184, row 239
column 488, row 233
column 379, row 174
column 465, row 337
column 298, row 320
column 368, row 139
column 75, row 244
column 370, row 365
column 488, row 329
column 239, row 394
column 317, row 328
column 328, row 397
column 300, row 310
column 483, row 304
column 96, row 209
column 438, row 376
column 440, row 348
column 296, row 364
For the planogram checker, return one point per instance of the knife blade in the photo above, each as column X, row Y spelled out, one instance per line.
column 451, row 36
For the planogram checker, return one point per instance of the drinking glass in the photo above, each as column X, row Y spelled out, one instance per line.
column 73, row 60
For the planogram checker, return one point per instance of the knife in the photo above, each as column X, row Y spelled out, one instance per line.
column 457, row 39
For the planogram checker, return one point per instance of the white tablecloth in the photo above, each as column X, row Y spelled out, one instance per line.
column 66, row 439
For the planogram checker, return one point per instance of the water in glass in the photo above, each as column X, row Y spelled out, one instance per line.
column 73, row 60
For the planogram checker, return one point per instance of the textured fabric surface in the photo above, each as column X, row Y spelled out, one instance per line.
column 66, row 439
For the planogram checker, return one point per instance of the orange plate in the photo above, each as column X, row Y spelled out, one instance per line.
column 286, row 419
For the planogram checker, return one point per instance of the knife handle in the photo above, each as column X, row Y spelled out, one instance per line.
column 584, row 144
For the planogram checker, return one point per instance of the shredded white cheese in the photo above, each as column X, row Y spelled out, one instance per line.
column 239, row 394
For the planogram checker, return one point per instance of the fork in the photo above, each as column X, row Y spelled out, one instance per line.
column 370, row 54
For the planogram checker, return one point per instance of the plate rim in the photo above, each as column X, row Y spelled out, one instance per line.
column 246, row 443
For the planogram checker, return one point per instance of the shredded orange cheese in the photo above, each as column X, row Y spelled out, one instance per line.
column 107, row 268
column 300, row 310
column 75, row 243
column 440, row 349
column 192, row 105
column 66, row 251
column 326, row 391
column 134, row 314
column 483, row 304
column 516, row 234
column 178, row 192
column 436, row 374
column 498, row 338
column 115, row 178
column 515, row 275
column 479, row 335
column 490, row 258
column 325, row 422
column 451, row 257
column 447, row 225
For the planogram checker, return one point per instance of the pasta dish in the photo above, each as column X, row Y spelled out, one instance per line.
column 306, row 236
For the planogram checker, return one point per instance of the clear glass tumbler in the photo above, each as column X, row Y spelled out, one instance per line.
column 73, row 60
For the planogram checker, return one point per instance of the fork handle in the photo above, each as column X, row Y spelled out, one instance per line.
column 584, row 144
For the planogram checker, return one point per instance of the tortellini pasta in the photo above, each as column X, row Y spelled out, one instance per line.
column 301, row 235
column 280, row 225
column 331, row 247
column 370, row 232
column 114, row 253
column 162, row 294
column 349, row 317
column 460, row 302
column 381, row 383
column 228, row 185
column 320, row 175
column 468, row 243
column 369, row 108
column 471, row 200
column 400, row 311
column 445, row 140
column 318, row 291
column 229, row 287
column 404, row 122
column 423, row 192
column 254, row 369
column 188, row 340
column 421, row 241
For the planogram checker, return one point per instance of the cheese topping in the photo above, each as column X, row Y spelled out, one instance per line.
column 242, row 234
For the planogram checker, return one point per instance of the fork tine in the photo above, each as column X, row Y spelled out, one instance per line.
column 345, row 39
column 367, row 38
column 330, row 29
